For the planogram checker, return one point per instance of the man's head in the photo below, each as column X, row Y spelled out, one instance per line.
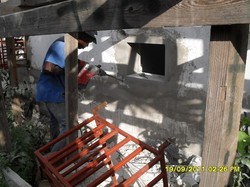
column 85, row 38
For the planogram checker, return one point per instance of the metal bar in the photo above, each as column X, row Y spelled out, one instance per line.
column 51, row 177
column 116, row 167
column 74, row 146
column 115, row 182
column 110, row 152
column 88, row 154
column 102, row 105
column 77, row 165
column 142, row 144
column 47, row 146
column 163, row 163
column 52, row 170
column 101, row 141
column 155, row 180
column 139, row 173
column 163, row 169
column 93, row 167
column 164, row 145
column 86, row 151
column 69, row 160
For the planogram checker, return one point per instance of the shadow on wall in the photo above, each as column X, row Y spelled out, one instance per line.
column 157, row 109
column 246, row 98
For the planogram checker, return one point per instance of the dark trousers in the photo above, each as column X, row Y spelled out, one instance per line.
column 57, row 123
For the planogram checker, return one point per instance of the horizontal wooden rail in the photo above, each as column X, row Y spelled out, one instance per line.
column 78, row 15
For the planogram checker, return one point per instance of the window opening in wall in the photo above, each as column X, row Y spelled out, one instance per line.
column 151, row 58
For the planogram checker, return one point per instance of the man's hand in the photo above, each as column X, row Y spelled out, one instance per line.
column 101, row 72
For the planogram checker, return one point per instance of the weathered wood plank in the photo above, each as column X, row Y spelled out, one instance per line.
column 79, row 15
column 11, row 56
column 10, row 7
column 71, row 70
column 228, row 47
column 15, row 6
column 33, row 3
column 13, row 179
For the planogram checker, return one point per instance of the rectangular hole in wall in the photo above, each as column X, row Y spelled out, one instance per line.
column 150, row 60
column 153, row 58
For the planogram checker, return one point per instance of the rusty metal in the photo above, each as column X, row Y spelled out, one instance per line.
column 87, row 154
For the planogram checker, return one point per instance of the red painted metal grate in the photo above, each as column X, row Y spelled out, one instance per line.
column 94, row 158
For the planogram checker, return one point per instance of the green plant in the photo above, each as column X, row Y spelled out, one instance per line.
column 3, row 164
column 242, row 159
column 26, row 136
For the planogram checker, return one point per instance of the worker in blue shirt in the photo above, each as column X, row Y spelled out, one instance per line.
column 51, row 85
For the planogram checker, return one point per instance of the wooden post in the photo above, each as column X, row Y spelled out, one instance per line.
column 71, row 71
column 11, row 56
column 228, row 48
column 5, row 143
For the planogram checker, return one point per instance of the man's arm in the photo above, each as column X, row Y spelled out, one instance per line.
column 51, row 68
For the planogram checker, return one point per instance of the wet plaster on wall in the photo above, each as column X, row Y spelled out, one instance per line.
column 151, row 110
column 246, row 96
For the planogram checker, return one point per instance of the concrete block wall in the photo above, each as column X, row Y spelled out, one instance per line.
column 153, row 108
column 156, row 107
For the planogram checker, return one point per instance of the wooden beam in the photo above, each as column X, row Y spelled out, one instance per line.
column 5, row 142
column 11, row 7
column 15, row 6
column 32, row 3
column 71, row 71
column 78, row 15
column 228, row 47
column 11, row 57
column 13, row 179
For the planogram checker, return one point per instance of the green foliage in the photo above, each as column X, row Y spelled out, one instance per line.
column 243, row 155
column 25, row 137
column 22, row 159
column 243, row 143
column 3, row 164
column 9, row 91
column 245, row 122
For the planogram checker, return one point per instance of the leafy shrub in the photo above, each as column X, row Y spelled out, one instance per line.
column 26, row 136
column 243, row 155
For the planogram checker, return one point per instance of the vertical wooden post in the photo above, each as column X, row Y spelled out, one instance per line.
column 71, row 71
column 11, row 56
column 228, row 48
column 5, row 144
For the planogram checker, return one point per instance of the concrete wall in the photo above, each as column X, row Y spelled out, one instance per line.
column 246, row 99
column 155, row 107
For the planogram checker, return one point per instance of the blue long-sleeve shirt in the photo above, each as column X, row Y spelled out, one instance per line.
column 51, row 87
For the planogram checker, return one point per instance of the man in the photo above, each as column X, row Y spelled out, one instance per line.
column 51, row 85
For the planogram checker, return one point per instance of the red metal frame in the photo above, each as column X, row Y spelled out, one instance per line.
column 84, row 156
